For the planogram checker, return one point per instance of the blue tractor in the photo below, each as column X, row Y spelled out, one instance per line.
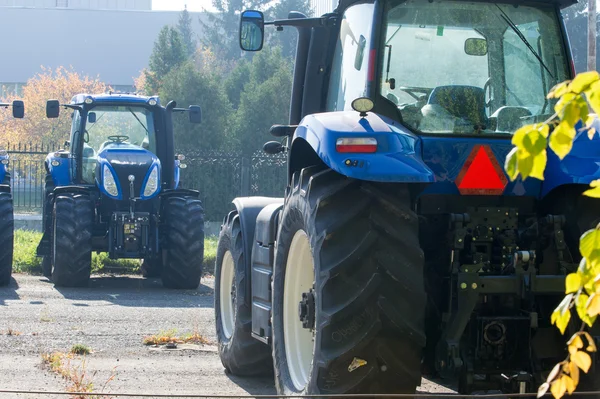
column 6, row 205
column 400, row 248
column 115, row 188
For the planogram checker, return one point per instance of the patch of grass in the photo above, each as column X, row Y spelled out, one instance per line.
column 77, row 377
column 80, row 349
column 166, row 337
column 26, row 261
column 210, row 254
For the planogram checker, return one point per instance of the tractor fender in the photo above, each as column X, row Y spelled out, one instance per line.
column 580, row 166
column 58, row 165
column 248, row 209
column 4, row 188
column 183, row 192
column 396, row 160
column 85, row 190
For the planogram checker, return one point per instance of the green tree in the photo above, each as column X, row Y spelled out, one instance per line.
column 288, row 38
column 168, row 53
column 264, row 100
column 186, row 85
column 184, row 26
column 528, row 159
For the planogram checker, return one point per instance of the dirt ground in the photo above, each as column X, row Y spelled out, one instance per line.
column 112, row 317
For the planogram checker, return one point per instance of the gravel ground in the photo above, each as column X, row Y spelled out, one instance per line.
column 112, row 317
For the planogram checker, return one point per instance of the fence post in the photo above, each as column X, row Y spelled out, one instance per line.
column 245, row 177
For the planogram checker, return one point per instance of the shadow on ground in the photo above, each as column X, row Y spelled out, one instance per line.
column 135, row 291
column 255, row 385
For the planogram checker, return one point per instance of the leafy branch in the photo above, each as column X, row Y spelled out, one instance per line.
column 529, row 159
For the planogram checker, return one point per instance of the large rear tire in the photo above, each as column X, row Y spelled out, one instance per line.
column 6, row 238
column 73, row 220
column 47, row 223
column 360, row 242
column 184, row 236
column 240, row 354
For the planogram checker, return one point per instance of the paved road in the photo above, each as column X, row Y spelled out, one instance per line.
column 112, row 317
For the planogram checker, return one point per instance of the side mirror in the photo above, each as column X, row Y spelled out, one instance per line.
column 52, row 109
column 476, row 46
column 18, row 109
column 92, row 117
column 195, row 114
column 252, row 30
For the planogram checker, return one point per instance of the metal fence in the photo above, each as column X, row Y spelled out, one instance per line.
column 219, row 176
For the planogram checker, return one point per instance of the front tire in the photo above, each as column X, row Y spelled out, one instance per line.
column 240, row 354
column 73, row 221
column 366, row 305
column 6, row 238
column 184, row 252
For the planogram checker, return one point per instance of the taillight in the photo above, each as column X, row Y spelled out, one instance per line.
column 356, row 144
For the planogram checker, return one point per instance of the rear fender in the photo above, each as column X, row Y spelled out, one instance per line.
column 580, row 166
column 180, row 192
column 397, row 159
column 248, row 209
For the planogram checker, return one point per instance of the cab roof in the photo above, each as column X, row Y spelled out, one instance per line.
column 343, row 4
column 127, row 98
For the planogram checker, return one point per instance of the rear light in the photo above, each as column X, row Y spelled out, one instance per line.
column 356, row 144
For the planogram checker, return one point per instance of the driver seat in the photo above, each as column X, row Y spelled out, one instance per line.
column 463, row 102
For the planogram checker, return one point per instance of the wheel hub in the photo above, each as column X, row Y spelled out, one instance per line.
column 306, row 309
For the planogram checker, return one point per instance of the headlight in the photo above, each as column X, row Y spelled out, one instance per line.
column 151, row 186
column 109, row 182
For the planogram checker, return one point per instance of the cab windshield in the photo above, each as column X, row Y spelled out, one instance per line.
column 465, row 68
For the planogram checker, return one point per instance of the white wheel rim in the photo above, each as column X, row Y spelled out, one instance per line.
column 226, row 287
column 299, row 278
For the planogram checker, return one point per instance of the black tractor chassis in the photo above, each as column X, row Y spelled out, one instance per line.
column 132, row 235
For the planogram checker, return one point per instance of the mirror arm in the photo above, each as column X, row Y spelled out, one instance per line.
column 301, row 22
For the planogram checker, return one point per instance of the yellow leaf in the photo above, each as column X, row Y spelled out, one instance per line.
column 595, row 191
column 565, row 101
column 561, row 139
column 539, row 165
column 593, row 305
column 593, row 96
column 583, row 81
column 591, row 132
column 563, row 321
column 534, row 142
column 558, row 388
column 562, row 313
column 575, row 343
column 589, row 246
column 581, row 306
column 520, row 134
column 559, row 90
column 554, row 372
column 524, row 163
column 570, row 384
column 510, row 164
column 574, row 372
column 543, row 389
column 591, row 343
column 573, row 283
column 582, row 360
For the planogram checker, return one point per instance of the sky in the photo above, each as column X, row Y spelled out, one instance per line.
column 177, row 5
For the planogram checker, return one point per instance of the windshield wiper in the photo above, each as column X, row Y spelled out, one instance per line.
column 138, row 119
column 521, row 36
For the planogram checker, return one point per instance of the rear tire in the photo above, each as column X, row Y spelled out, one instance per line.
column 184, row 236
column 240, row 354
column 6, row 238
column 369, row 291
column 151, row 267
column 47, row 224
column 73, row 221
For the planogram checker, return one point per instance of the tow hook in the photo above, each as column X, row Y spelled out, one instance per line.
column 306, row 309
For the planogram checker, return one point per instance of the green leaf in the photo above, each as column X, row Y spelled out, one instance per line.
column 583, row 81
column 561, row 140
column 573, row 283
column 594, row 192
column 589, row 246
column 510, row 164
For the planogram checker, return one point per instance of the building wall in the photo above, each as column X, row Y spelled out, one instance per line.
column 89, row 4
column 114, row 45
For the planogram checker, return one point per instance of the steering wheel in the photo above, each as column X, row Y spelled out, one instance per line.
column 118, row 139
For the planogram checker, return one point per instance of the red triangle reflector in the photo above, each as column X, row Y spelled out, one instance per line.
column 481, row 174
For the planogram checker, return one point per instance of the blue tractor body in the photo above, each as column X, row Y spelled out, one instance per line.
column 119, row 170
column 401, row 248
column 6, row 204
